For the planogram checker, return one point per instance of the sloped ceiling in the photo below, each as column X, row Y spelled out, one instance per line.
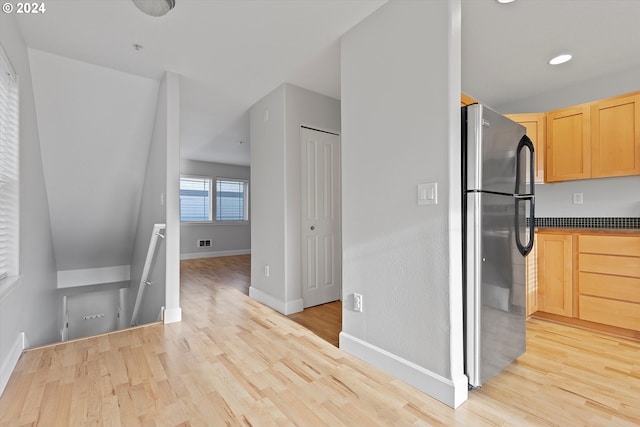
column 95, row 127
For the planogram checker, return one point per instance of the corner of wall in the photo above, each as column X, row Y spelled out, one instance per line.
column 172, row 315
column 283, row 307
column 10, row 360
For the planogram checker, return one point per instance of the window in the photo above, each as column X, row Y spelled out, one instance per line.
column 9, row 172
column 232, row 196
column 195, row 199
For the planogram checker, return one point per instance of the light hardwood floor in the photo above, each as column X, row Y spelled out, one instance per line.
column 323, row 320
column 233, row 361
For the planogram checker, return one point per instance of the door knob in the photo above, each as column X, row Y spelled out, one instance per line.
column 313, row 227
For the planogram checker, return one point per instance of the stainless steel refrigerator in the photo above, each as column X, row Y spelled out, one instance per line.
column 498, row 210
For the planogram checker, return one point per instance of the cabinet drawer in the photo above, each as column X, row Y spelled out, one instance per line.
column 608, row 264
column 615, row 313
column 614, row 287
column 610, row 245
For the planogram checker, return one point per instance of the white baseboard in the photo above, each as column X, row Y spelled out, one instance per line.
column 195, row 255
column 449, row 392
column 172, row 315
column 283, row 307
column 10, row 361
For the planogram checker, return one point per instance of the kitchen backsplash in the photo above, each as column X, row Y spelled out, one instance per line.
column 567, row 222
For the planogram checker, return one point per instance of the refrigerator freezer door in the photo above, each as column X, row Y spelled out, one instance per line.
column 495, row 286
column 492, row 142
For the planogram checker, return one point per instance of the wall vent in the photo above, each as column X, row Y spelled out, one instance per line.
column 204, row 243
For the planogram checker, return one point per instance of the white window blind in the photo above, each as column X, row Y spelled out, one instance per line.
column 232, row 200
column 195, row 199
column 9, row 170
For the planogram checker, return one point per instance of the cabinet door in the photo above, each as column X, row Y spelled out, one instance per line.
column 535, row 125
column 615, row 136
column 532, row 278
column 568, row 153
column 555, row 273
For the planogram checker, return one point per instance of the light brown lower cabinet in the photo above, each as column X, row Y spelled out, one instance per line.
column 609, row 280
column 532, row 278
column 555, row 273
column 590, row 278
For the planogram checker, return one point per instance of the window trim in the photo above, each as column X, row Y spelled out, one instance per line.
column 246, row 201
column 211, row 197
column 11, row 274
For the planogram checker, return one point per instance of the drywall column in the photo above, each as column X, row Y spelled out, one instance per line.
column 400, row 117
column 173, row 312
column 159, row 204
column 275, row 190
column 268, row 200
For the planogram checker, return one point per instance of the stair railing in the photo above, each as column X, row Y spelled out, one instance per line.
column 144, row 282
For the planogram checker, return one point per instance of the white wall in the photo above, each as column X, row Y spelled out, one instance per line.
column 275, row 193
column 226, row 239
column 95, row 301
column 400, row 118
column 32, row 307
column 604, row 197
column 159, row 206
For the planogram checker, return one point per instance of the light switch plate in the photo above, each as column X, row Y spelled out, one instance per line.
column 428, row 194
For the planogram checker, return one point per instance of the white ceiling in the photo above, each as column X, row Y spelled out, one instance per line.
column 230, row 53
column 506, row 47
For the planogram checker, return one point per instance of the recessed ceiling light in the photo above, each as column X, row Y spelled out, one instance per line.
column 505, row 1
column 560, row 59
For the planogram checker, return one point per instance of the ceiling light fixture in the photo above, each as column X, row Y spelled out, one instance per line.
column 155, row 7
column 560, row 59
column 505, row 1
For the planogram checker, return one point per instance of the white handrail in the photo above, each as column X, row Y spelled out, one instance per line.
column 145, row 271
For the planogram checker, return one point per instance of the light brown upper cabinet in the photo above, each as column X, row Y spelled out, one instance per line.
column 615, row 136
column 466, row 100
column 535, row 125
column 568, row 153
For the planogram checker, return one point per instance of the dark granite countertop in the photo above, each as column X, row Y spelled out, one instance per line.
column 593, row 230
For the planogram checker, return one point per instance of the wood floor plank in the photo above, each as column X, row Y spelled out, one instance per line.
column 233, row 361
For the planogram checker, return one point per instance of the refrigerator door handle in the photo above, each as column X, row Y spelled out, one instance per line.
column 525, row 142
column 525, row 249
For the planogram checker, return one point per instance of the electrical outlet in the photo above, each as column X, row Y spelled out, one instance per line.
column 578, row 198
column 357, row 302
column 267, row 270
